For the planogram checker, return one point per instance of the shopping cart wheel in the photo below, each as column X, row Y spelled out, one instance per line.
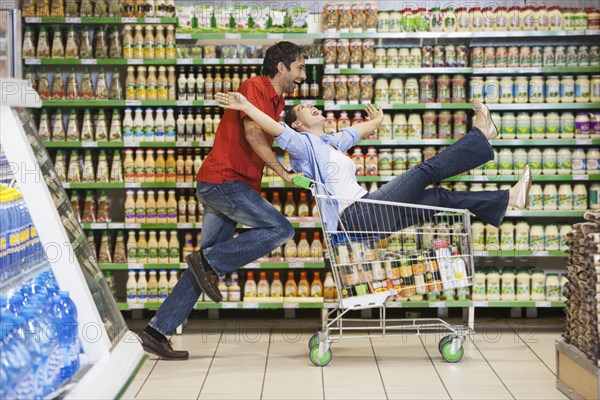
column 443, row 341
column 314, row 341
column 448, row 355
column 320, row 362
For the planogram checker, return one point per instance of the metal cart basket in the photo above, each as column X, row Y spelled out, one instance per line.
column 384, row 251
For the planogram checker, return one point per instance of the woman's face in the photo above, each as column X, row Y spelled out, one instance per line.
column 307, row 115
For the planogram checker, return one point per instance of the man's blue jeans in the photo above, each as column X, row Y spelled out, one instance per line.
column 225, row 205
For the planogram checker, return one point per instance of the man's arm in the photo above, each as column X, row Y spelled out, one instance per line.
column 256, row 138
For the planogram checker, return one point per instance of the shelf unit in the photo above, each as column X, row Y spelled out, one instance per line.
column 255, row 265
column 96, row 20
column 231, row 37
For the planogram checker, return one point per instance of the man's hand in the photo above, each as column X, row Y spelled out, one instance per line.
column 288, row 177
column 233, row 100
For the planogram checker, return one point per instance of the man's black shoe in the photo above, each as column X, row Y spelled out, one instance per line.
column 162, row 349
column 205, row 276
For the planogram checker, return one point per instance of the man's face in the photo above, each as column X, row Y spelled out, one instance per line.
column 295, row 76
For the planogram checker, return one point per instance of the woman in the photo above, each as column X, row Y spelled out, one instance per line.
column 319, row 156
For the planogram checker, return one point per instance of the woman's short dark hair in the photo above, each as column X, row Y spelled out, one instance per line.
column 285, row 52
column 291, row 117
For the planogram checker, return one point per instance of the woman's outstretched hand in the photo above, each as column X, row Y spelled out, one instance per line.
column 233, row 100
column 374, row 114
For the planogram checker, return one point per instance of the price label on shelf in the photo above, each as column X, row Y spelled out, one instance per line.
column 231, row 61
column 575, row 33
column 480, row 304
column 89, row 144
column 183, row 144
column 211, row 103
column 152, row 20
column 307, row 225
column 183, row 185
column 516, row 213
column 480, row 253
column 536, row 70
column 229, row 305
column 252, row 266
column 541, row 254
column 184, row 102
column 433, row 106
column 291, row 305
column 389, row 142
column 581, row 177
column 297, row 265
column 276, row 184
column 253, row 61
column 331, row 35
column 183, row 265
column 332, row 107
column 129, row 20
column 89, row 61
column 133, row 185
column 277, row 36
column 33, row 61
column 131, row 144
column 250, row 305
column 437, row 304
column 543, row 304
column 117, row 225
column 133, row 226
column 233, row 36
column 135, row 266
column 185, row 61
column 583, row 141
column 185, row 225
column 33, row 20
column 136, row 306
column 133, row 103
column 183, row 36
column 135, row 62
column 306, row 102
column 97, row 226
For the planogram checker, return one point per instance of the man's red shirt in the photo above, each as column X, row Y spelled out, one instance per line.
column 232, row 157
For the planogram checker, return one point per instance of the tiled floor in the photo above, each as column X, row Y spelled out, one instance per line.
column 258, row 359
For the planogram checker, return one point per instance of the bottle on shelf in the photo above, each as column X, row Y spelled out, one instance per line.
column 223, row 288
column 303, row 286
column 316, row 287
column 152, row 287
column 329, row 290
column 153, row 248
column 142, row 288
column 263, row 288
column 174, row 255
column 132, row 248
column 131, row 287
column 234, row 292
column 291, row 288
column 142, row 248
column 172, row 279
column 276, row 286
column 104, row 255
column 163, row 286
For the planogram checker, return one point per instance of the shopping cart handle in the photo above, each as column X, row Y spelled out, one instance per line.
column 302, row 181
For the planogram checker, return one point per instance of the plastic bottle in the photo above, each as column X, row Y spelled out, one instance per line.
column 565, row 197
column 291, row 288
column 276, row 286
column 132, row 293
column 550, row 198
column 552, row 238
column 507, row 292
column 250, row 289
column 507, row 236
column 152, row 287
column 478, row 290
column 172, row 279
column 153, row 248
column 142, row 248
column 493, row 285
column 163, row 286
column 263, row 288
column 523, row 285
column 538, row 285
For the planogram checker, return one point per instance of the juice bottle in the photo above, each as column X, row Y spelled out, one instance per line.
column 163, row 247
column 141, row 89
column 170, row 167
column 131, row 287
column 172, row 279
column 303, row 286
column 138, row 126
column 149, row 166
column 174, row 255
column 142, row 248
column 169, row 126
column 140, row 208
column 152, row 287
column 188, row 246
column 132, row 252
column 291, row 289
column 263, row 288
column 161, row 208
column 149, row 42
column 159, row 43
column 127, row 126
column 250, row 286
column 159, row 126
column 189, row 166
column 139, row 166
column 303, row 246
column 171, row 208
column 138, row 43
column 163, row 286
column 180, row 166
column 153, row 248
column 197, row 161
column 130, row 90
column 150, row 207
column 129, row 166
column 182, row 209
column 316, row 287
column 289, row 209
column 159, row 166
column 192, row 206
column 142, row 288
column 129, row 207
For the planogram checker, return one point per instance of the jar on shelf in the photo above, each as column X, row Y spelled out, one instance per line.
column 426, row 89
column 523, row 286
column 567, row 125
column 595, row 89
column 521, row 89
column 507, row 236
column 534, row 159
column 392, row 59
column 459, row 124
column 592, row 157
column 505, row 162
column 443, row 89
column 565, row 197
column 579, row 162
column 567, row 89
column 492, row 285
column 507, row 279
column 478, row 290
column 582, row 125
column 552, row 125
column 552, row 91
column 536, row 89
column 580, row 197
column 506, row 90
column 536, row 200
column 477, row 57
column 501, row 56
column 520, row 158
column 414, row 157
column 572, row 57
column 552, row 285
column 537, row 57
column 411, row 91
column 415, row 58
column 462, row 19
column 476, row 88
column 549, row 159
column 555, row 18
column 509, row 126
column 380, row 58
column 536, row 238
column 399, row 161
column 582, row 89
column 522, row 236
column 492, row 90
column 458, row 89
column 396, row 91
column 523, row 125
column 564, row 162
column 538, row 125
column 594, row 197
column 538, row 285
column 594, row 56
column 548, row 56
column 542, row 20
column 525, row 56
column 385, row 162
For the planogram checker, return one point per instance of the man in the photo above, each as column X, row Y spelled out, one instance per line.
column 229, row 189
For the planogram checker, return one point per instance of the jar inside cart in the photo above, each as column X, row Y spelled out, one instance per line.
column 523, row 286
column 567, row 125
column 550, row 198
column 536, row 89
column 536, row 238
column 579, row 162
column 549, row 159
column 552, row 287
column 538, row 285
column 478, row 289
column 582, row 89
column 521, row 89
column 523, row 125
column 534, row 159
column 592, row 157
column 564, row 162
column 507, row 281
column 582, row 125
column 567, row 89
column 493, row 285
column 476, row 88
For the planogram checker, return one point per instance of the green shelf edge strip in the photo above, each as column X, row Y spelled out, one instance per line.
column 329, row 106
column 262, row 265
column 95, row 20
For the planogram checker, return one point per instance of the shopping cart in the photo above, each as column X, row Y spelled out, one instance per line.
column 401, row 252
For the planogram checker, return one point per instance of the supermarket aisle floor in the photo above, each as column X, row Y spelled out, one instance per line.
column 268, row 359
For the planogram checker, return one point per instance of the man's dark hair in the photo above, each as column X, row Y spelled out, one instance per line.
column 285, row 52
column 291, row 117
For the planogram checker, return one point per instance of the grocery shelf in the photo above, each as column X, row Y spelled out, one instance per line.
column 297, row 222
column 330, row 106
column 113, row 185
column 229, row 305
column 546, row 213
column 237, row 36
column 119, row 145
column 471, row 303
column 536, row 70
column 523, row 253
column 95, row 20
column 128, row 103
column 496, row 142
column 97, row 61
column 495, row 178
column 256, row 265
column 397, row 71
column 458, row 35
column 234, row 61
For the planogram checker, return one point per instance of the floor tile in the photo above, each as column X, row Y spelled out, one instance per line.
column 168, row 392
